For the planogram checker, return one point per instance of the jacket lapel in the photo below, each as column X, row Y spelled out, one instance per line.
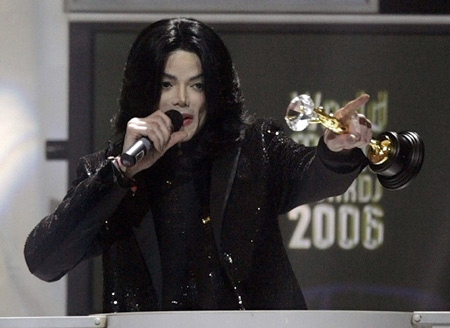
column 148, row 243
column 222, row 177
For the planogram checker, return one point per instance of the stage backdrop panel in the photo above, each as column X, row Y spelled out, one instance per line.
column 370, row 248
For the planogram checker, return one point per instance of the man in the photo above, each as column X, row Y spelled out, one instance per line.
column 193, row 225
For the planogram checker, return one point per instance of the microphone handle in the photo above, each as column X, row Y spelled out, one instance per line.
column 136, row 152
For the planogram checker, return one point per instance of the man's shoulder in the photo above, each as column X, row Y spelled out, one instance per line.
column 265, row 127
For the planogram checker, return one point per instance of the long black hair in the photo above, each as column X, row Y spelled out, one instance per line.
column 142, row 79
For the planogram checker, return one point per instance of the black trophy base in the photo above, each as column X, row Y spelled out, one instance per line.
column 404, row 162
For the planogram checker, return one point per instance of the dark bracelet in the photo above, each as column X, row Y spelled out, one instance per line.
column 119, row 176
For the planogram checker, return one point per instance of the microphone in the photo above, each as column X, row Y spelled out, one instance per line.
column 142, row 146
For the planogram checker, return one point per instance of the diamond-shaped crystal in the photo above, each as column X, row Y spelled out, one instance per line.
column 299, row 112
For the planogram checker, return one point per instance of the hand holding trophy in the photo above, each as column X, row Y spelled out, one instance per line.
column 396, row 158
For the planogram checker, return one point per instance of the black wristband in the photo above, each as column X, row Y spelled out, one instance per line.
column 119, row 176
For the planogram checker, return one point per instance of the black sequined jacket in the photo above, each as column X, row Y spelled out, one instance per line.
column 264, row 175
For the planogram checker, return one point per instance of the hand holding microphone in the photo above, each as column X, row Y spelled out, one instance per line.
column 143, row 145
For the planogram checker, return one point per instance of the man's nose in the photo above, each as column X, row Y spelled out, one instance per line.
column 180, row 97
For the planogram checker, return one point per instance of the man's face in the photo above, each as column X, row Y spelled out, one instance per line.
column 183, row 90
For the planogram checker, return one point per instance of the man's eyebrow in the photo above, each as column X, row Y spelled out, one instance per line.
column 173, row 77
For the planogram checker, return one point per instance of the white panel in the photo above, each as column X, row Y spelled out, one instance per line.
column 431, row 319
column 262, row 319
column 97, row 321
column 228, row 6
column 33, row 93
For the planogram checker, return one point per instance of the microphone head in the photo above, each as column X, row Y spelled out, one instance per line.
column 176, row 118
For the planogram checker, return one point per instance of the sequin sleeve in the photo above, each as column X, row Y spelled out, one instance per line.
column 308, row 174
column 71, row 233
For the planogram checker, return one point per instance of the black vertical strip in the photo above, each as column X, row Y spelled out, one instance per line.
column 79, row 289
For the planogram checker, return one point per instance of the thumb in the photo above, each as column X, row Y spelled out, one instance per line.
column 176, row 137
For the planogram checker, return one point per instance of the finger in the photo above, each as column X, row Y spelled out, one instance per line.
column 354, row 129
column 136, row 128
column 337, row 142
column 366, row 130
column 165, row 126
column 363, row 121
column 349, row 110
column 159, row 133
column 166, row 119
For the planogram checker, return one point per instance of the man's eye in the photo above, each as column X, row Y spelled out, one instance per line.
column 166, row 84
column 199, row 86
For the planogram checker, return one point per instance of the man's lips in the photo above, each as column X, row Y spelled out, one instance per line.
column 187, row 119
